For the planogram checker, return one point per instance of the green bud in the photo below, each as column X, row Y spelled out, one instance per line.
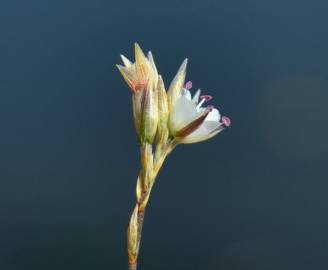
column 149, row 115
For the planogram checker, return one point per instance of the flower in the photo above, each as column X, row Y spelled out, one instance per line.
column 141, row 74
column 190, row 122
column 174, row 113
column 142, row 78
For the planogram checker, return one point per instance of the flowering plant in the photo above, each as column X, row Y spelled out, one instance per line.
column 163, row 119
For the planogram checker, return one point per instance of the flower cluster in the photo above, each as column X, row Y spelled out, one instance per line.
column 165, row 119
column 175, row 113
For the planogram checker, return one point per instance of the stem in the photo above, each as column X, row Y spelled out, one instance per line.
column 147, row 177
column 133, row 266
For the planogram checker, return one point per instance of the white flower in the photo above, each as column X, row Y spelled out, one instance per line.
column 139, row 75
column 190, row 122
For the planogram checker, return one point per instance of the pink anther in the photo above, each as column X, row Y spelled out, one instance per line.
column 188, row 85
column 226, row 121
column 206, row 97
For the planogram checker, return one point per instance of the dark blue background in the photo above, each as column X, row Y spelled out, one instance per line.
column 255, row 197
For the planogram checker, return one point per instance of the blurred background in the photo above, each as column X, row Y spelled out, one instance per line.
column 255, row 197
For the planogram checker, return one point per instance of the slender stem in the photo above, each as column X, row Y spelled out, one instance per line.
column 146, row 190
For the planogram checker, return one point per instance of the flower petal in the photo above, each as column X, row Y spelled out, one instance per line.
column 153, row 70
column 191, row 127
column 141, row 63
column 195, row 98
column 214, row 115
column 205, row 131
column 176, row 86
column 184, row 112
column 186, row 93
column 152, row 62
column 127, row 74
column 127, row 63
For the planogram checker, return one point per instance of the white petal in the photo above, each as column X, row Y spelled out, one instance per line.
column 184, row 112
column 127, row 63
column 195, row 98
column 186, row 93
column 206, row 130
column 214, row 115
column 175, row 90
column 199, row 105
column 152, row 63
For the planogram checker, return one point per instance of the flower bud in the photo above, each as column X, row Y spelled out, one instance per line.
column 145, row 114
column 141, row 73
column 148, row 116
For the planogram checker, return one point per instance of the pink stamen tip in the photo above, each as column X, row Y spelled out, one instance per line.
column 206, row 97
column 188, row 85
column 226, row 121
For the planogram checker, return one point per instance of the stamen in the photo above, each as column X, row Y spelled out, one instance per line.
column 200, row 103
column 188, row 85
column 226, row 121
column 206, row 97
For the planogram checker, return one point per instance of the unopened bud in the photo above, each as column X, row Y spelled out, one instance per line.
column 145, row 114
column 140, row 74
column 149, row 116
